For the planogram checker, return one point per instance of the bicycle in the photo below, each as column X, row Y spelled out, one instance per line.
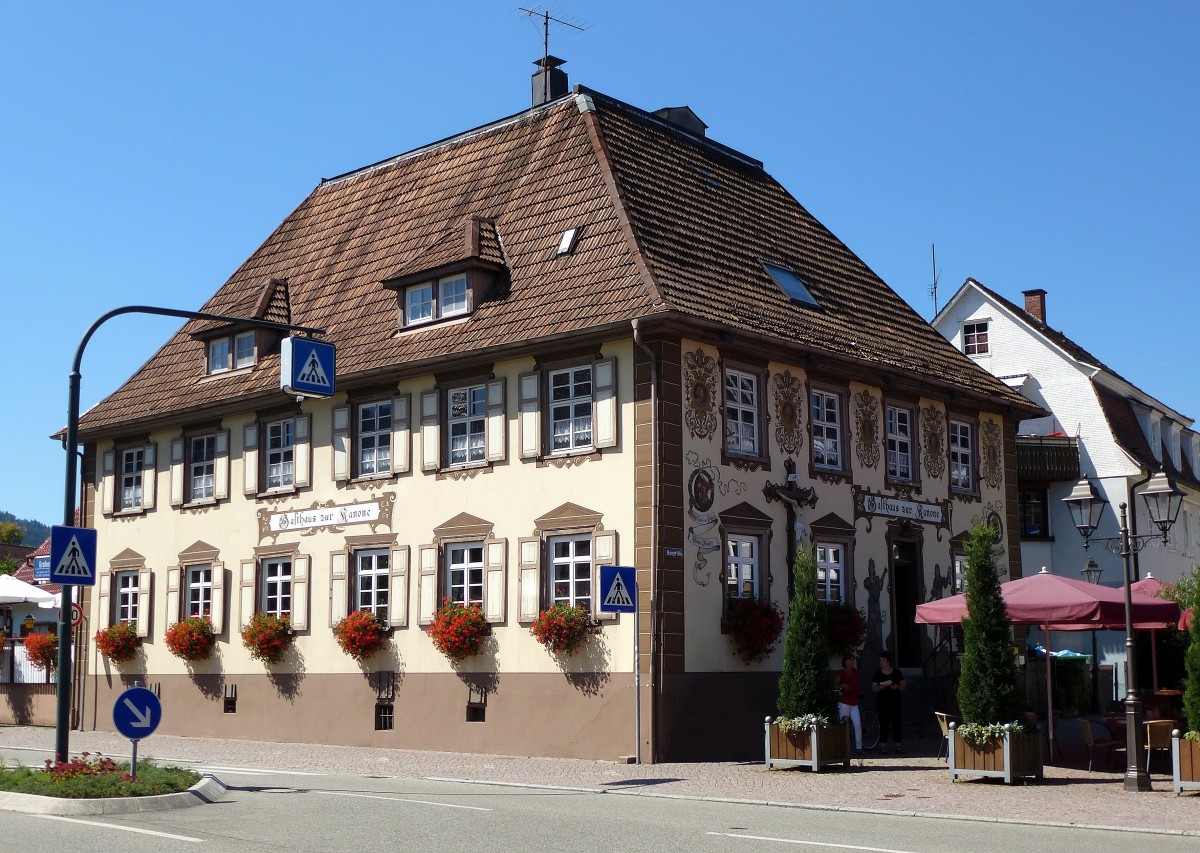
column 870, row 728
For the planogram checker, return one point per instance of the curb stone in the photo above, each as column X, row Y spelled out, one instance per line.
column 208, row 790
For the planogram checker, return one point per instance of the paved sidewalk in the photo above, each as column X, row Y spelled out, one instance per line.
column 917, row 783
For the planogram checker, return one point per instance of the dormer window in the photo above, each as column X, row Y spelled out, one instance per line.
column 230, row 353
column 790, row 284
column 435, row 300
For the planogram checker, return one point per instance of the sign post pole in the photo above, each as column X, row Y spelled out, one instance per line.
column 618, row 591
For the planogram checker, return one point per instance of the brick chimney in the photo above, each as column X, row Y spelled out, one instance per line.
column 1035, row 303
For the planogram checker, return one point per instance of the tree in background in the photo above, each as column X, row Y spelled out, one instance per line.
column 11, row 533
column 9, row 565
column 987, row 688
column 806, row 683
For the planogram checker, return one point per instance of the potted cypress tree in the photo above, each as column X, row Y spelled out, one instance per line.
column 991, row 741
column 1185, row 748
column 807, row 732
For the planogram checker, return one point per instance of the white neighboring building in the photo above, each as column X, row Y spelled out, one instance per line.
column 1116, row 433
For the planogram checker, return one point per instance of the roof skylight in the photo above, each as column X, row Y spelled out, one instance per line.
column 790, row 284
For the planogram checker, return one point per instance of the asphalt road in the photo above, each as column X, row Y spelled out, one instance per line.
column 273, row 811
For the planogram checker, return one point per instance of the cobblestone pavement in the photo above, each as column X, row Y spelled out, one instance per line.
column 917, row 783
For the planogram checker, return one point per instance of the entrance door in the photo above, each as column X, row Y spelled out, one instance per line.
column 907, row 635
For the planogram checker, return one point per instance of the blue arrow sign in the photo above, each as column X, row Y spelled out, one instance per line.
column 73, row 556
column 618, row 589
column 306, row 367
column 137, row 713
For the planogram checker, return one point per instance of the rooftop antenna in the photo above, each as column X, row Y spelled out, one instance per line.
column 544, row 14
column 936, row 275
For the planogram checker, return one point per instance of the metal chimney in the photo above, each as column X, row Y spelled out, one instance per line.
column 549, row 82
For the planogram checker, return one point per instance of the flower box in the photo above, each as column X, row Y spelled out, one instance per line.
column 816, row 747
column 1185, row 763
column 361, row 634
column 191, row 639
column 267, row 637
column 118, row 643
column 1011, row 755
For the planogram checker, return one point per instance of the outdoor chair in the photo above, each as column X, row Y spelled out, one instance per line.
column 943, row 724
column 1158, row 737
column 1092, row 742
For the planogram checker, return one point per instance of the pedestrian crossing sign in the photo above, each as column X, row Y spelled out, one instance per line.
column 618, row 589
column 306, row 367
column 73, row 556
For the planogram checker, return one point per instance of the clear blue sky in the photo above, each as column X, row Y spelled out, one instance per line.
column 149, row 147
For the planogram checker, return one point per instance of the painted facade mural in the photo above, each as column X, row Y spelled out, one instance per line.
column 866, row 424
column 933, row 441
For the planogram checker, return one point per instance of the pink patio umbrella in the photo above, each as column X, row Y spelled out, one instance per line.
column 1056, row 603
column 1185, row 619
column 1151, row 586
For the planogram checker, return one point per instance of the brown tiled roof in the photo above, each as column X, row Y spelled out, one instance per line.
column 1127, row 432
column 667, row 222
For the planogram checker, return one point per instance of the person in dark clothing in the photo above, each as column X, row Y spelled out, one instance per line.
column 887, row 684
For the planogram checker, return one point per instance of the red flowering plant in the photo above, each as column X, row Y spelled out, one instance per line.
column 563, row 628
column 458, row 630
column 42, row 650
column 267, row 637
column 846, row 626
column 191, row 639
column 117, row 642
column 753, row 626
column 360, row 634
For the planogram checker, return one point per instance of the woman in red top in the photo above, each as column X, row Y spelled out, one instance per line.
column 847, row 684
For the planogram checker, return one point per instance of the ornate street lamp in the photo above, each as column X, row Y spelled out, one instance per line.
column 1162, row 502
column 1091, row 573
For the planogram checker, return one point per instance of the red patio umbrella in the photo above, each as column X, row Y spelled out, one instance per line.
column 1185, row 619
column 1151, row 586
column 1056, row 603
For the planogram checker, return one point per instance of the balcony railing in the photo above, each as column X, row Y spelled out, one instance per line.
column 1047, row 459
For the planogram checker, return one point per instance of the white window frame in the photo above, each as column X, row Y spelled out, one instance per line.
column 372, row 580
column 958, row 573
column 127, row 585
column 453, row 296
column 466, row 425
column 460, row 560
column 133, row 466
column 373, row 445
column 899, row 432
column 976, row 337
column 743, row 566
column 437, row 299
column 831, row 572
column 198, row 589
column 276, row 586
column 279, row 449
column 217, row 355
column 201, row 484
column 826, row 431
column 962, row 456
column 571, row 574
column 244, row 346
column 569, row 413
column 741, row 413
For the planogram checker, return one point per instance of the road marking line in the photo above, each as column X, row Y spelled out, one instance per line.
column 810, row 843
column 403, row 800
column 120, row 827
column 255, row 771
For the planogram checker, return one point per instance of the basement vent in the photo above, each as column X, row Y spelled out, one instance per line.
column 385, row 717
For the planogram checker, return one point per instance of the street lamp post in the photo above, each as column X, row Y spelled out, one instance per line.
column 1163, row 501
column 1091, row 573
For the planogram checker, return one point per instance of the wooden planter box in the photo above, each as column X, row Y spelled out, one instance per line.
column 1013, row 755
column 820, row 746
column 1185, row 763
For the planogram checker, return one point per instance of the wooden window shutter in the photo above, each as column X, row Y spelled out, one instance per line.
column 529, row 577
column 497, row 423
column 104, row 617
column 397, row 614
column 217, row 612
column 341, row 444
column 427, row 583
column 401, row 435
column 495, row 590
column 178, row 474
column 106, row 493
column 221, row 466
column 431, row 454
column 299, row 620
column 338, row 588
column 302, row 452
column 247, row 589
column 604, row 553
column 174, row 609
column 529, row 415
column 605, row 409
column 250, row 459
column 145, row 578
column 149, row 474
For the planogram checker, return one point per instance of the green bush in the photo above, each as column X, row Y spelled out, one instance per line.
column 95, row 776
column 1191, row 684
column 806, row 684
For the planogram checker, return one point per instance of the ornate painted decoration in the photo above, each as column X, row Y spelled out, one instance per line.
column 868, row 504
column 991, row 467
column 704, row 484
column 326, row 516
column 789, row 396
column 933, row 441
column 866, row 424
column 700, row 382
